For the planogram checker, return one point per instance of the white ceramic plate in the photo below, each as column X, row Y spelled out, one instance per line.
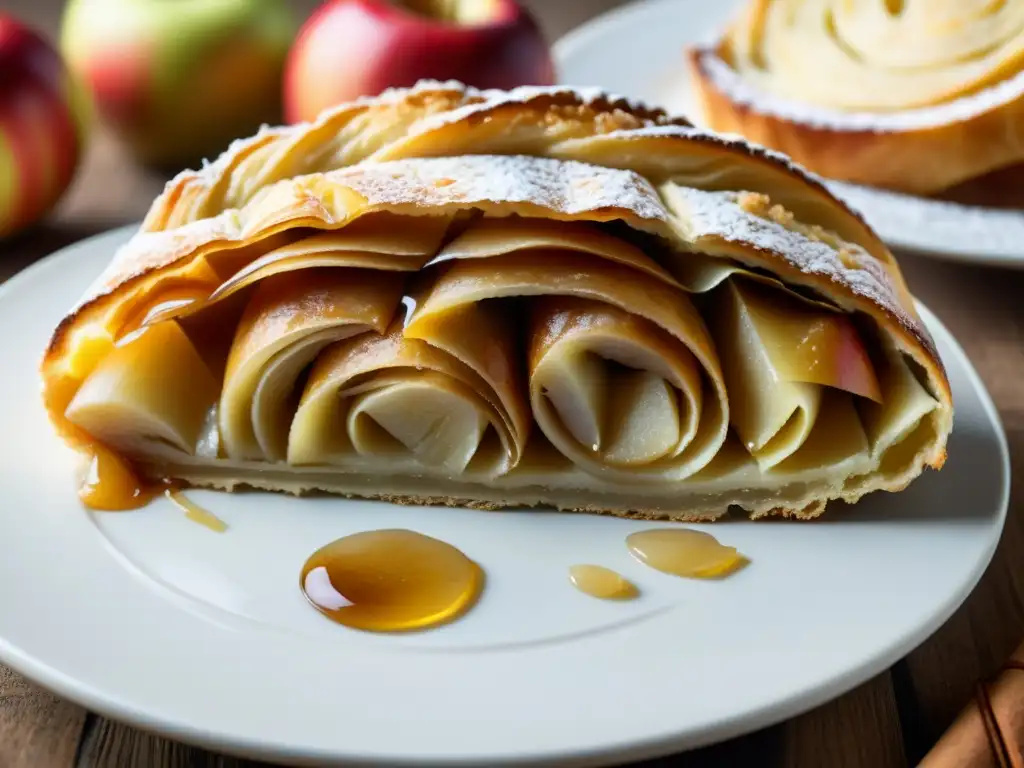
column 152, row 619
column 637, row 51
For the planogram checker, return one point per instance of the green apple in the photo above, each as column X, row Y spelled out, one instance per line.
column 179, row 79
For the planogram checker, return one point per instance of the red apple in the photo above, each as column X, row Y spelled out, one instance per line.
column 177, row 80
column 42, row 122
column 352, row 48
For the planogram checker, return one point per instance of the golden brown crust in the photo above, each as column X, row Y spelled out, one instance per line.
column 554, row 153
column 150, row 254
column 613, row 116
column 666, row 149
column 399, row 121
column 807, row 512
column 898, row 159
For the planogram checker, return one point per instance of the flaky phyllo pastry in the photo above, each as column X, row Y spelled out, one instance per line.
column 913, row 95
column 500, row 299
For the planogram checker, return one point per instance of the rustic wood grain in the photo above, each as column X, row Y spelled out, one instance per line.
column 889, row 722
column 983, row 309
column 111, row 744
column 864, row 725
column 36, row 728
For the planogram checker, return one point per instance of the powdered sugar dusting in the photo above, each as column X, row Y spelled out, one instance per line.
column 478, row 100
column 587, row 95
column 563, row 187
column 147, row 251
column 734, row 141
column 731, row 140
column 719, row 215
column 567, row 187
column 211, row 170
column 493, row 99
column 741, row 91
column 468, row 102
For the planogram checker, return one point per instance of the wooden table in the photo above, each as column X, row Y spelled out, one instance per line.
column 891, row 720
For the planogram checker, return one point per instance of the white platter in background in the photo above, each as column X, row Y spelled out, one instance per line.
column 637, row 51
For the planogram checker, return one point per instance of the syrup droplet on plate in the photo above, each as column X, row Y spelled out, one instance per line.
column 112, row 484
column 390, row 581
column 598, row 581
column 194, row 512
column 684, row 552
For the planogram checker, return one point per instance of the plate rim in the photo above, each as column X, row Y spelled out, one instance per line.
column 116, row 708
column 579, row 37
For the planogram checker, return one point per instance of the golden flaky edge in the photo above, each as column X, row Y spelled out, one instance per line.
column 194, row 212
column 899, row 159
column 809, row 511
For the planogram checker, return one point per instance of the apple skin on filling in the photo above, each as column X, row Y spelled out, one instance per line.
column 486, row 359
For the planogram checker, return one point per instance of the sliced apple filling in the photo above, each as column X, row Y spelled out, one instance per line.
column 506, row 361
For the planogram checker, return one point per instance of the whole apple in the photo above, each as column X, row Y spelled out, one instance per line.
column 42, row 126
column 178, row 80
column 352, row 48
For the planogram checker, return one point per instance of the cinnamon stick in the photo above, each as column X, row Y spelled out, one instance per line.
column 989, row 731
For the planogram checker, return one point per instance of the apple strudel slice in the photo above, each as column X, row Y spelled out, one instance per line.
column 916, row 96
column 603, row 311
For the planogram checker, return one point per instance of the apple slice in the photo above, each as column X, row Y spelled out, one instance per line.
column 776, row 355
column 429, row 415
column 290, row 318
column 153, row 386
column 809, row 345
